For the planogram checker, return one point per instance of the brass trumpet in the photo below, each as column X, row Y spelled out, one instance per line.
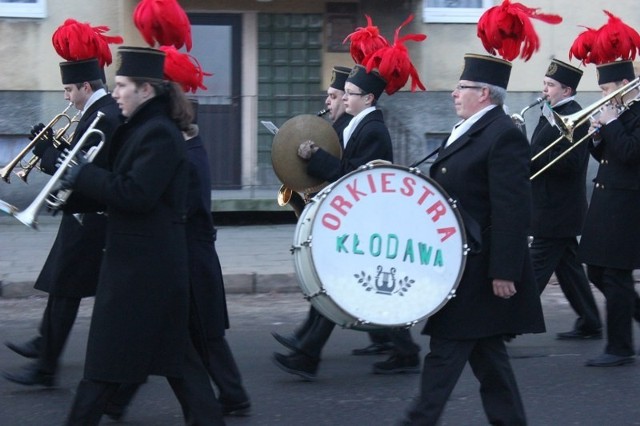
column 568, row 123
column 58, row 138
column 29, row 216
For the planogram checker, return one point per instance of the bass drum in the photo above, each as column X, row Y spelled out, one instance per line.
column 384, row 246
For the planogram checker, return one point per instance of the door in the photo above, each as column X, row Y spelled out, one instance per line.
column 217, row 46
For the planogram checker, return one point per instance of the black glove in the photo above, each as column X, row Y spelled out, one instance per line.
column 37, row 128
column 68, row 179
column 44, row 142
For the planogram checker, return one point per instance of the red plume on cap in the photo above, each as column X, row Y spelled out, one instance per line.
column 164, row 22
column 614, row 40
column 183, row 69
column 365, row 40
column 393, row 62
column 505, row 28
column 76, row 41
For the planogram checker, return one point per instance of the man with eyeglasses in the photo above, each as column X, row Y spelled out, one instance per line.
column 365, row 138
column 484, row 166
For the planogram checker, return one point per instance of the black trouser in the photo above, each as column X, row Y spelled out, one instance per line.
column 489, row 362
column 193, row 390
column 559, row 255
column 318, row 334
column 224, row 372
column 617, row 285
column 376, row 336
column 57, row 321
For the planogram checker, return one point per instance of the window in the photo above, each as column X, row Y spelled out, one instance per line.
column 459, row 11
column 23, row 8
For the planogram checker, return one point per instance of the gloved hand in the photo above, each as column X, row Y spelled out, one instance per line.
column 37, row 128
column 44, row 142
column 68, row 179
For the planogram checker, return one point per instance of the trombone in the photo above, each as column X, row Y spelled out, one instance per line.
column 29, row 216
column 58, row 138
column 568, row 123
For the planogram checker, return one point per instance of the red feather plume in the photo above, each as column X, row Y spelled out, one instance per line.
column 393, row 62
column 365, row 40
column 507, row 29
column 164, row 22
column 183, row 69
column 582, row 47
column 614, row 40
column 76, row 41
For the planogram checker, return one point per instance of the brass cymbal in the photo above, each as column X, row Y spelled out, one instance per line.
column 291, row 169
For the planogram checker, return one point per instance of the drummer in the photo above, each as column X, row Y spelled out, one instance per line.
column 365, row 138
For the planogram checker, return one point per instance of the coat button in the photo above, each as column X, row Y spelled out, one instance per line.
column 597, row 185
column 443, row 170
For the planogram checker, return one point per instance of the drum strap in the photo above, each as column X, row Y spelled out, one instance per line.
column 474, row 232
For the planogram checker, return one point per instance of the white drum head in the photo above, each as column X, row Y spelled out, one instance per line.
column 385, row 245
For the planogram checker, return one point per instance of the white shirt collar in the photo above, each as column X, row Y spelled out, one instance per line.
column 348, row 131
column 94, row 97
column 463, row 126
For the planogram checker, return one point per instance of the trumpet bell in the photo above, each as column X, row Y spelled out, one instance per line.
column 288, row 167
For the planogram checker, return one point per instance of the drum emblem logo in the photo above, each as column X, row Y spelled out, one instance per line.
column 384, row 282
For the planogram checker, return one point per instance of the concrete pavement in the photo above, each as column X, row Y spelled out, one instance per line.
column 254, row 258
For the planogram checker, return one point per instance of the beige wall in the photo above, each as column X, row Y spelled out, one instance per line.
column 30, row 63
column 447, row 43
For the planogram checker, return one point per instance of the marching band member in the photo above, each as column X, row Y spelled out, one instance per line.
column 610, row 243
column 560, row 203
column 70, row 272
column 485, row 166
column 364, row 139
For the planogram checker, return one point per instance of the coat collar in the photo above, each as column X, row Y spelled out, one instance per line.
column 464, row 140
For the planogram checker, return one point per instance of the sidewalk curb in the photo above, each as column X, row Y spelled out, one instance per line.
column 233, row 284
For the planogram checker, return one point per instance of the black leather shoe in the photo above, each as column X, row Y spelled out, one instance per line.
column 30, row 376
column 580, row 335
column 290, row 343
column 374, row 349
column 240, row 409
column 114, row 412
column 298, row 364
column 30, row 349
column 610, row 360
column 398, row 364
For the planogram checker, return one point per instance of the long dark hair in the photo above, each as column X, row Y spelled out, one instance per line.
column 180, row 109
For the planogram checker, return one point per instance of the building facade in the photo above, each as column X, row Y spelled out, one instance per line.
column 271, row 60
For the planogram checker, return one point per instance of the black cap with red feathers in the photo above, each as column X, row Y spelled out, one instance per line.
column 85, row 48
column 381, row 66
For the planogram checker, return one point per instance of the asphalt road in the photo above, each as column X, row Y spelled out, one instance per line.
column 556, row 387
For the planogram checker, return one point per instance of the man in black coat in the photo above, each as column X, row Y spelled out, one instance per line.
column 139, row 325
column 560, row 202
column 484, row 166
column 365, row 138
column 71, row 269
column 610, row 244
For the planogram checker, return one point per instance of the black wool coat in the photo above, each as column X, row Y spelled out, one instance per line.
column 560, row 192
column 369, row 141
column 73, row 264
column 139, row 324
column 487, row 171
column 209, row 314
column 611, row 234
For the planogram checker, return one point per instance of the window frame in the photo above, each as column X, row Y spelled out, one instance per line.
column 36, row 9
column 461, row 15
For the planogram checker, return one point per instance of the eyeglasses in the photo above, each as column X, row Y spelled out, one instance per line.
column 355, row 94
column 462, row 86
